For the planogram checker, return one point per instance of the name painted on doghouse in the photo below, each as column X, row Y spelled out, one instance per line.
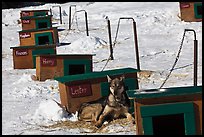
column 26, row 21
column 23, row 14
column 185, row 5
column 25, row 35
column 80, row 90
column 21, row 52
column 48, row 61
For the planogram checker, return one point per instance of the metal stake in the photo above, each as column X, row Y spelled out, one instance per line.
column 195, row 57
column 60, row 13
column 110, row 41
column 70, row 13
column 135, row 37
column 86, row 20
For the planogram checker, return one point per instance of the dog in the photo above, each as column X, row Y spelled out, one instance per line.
column 90, row 111
column 114, row 106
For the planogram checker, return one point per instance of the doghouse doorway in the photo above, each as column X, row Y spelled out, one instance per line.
column 77, row 66
column 169, row 117
column 198, row 10
column 168, row 124
column 43, row 38
column 43, row 23
column 76, row 69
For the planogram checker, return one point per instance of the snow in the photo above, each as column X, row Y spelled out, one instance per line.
column 29, row 105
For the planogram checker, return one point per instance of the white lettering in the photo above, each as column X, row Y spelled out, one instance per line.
column 26, row 21
column 78, row 91
column 47, row 61
column 21, row 53
column 25, row 35
column 25, row 14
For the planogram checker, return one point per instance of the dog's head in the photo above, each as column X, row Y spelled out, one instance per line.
column 117, row 86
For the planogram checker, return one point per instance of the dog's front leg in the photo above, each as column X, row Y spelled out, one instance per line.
column 100, row 121
column 130, row 117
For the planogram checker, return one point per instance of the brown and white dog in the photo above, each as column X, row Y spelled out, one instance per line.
column 115, row 105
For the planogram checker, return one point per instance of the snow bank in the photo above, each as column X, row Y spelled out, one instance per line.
column 50, row 112
column 83, row 45
column 23, row 79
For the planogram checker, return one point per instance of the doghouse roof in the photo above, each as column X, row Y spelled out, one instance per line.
column 31, row 47
column 61, row 55
column 94, row 75
column 156, row 93
column 41, row 29
column 36, row 17
column 33, row 10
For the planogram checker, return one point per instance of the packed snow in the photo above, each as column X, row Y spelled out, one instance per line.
column 29, row 107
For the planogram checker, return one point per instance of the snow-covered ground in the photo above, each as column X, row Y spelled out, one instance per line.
column 28, row 106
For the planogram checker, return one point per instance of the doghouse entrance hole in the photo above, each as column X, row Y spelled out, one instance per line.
column 76, row 69
column 42, row 25
column 199, row 10
column 168, row 124
column 43, row 40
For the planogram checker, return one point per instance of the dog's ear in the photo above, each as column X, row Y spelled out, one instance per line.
column 122, row 77
column 109, row 79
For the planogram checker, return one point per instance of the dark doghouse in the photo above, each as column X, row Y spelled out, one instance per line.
column 24, row 56
column 26, row 13
column 50, row 66
column 172, row 111
column 36, row 22
column 191, row 11
column 80, row 88
column 39, row 36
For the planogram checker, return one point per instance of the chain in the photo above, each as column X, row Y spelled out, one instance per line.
column 106, row 63
column 113, row 45
column 176, row 60
column 77, row 25
column 116, row 34
column 71, row 26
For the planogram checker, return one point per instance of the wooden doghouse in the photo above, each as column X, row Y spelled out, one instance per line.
column 39, row 36
column 168, row 111
column 80, row 88
column 24, row 56
column 26, row 13
column 36, row 22
column 191, row 11
column 51, row 66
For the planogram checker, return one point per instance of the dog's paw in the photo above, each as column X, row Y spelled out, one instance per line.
column 98, row 125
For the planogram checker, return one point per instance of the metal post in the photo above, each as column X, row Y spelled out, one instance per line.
column 50, row 11
column 135, row 37
column 87, row 29
column 70, row 12
column 60, row 15
column 195, row 61
column 110, row 41
column 136, row 45
column 86, row 20
column 195, row 57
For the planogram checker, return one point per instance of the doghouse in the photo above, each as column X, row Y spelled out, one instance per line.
column 24, row 56
column 26, row 13
column 168, row 111
column 51, row 66
column 39, row 36
column 191, row 11
column 77, row 89
column 36, row 22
